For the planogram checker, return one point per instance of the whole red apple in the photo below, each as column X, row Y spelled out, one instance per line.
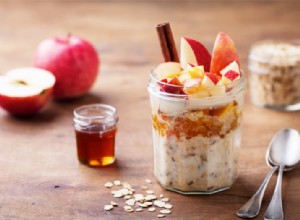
column 73, row 61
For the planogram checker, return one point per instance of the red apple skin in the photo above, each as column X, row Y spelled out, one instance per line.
column 224, row 52
column 73, row 61
column 25, row 106
column 174, row 86
column 231, row 74
column 202, row 55
column 212, row 77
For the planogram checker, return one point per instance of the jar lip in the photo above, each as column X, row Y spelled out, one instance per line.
column 109, row 112
column 235, row 86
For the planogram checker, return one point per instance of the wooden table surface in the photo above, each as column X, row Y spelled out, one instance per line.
column 40, row 177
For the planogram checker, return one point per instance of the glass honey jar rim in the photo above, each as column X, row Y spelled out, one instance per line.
column 103, row 115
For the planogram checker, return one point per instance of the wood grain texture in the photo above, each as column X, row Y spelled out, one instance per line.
column 40, row 177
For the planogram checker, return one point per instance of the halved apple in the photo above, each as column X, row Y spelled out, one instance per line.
column 24, row 91
column 224, row 53
column 193, row 52
column 167, row 70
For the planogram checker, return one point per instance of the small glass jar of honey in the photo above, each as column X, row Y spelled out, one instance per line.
column 95, row 129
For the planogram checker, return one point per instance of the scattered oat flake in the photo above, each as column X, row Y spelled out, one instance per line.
column 150, row 197
column 168, row 206
column 124, row 191
column 118, row 195
column 161, row 195
column 144, row 187
column 165, row 211
column 108, row 184
column 127, row 197
column 148, row 203
column 148, row 181
column 108, row 207
column 159, row 204
column 113, row 203
column 130, row 202
column 143, row 205
column 165, row 199
column 128, row 208
column 138, row 197
column 161, row 216
column 139, row 210
column 152, row 209
column 117, row 182
column 149, row 192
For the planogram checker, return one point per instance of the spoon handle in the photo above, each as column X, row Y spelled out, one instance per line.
column 275, row 210
column 252, row 207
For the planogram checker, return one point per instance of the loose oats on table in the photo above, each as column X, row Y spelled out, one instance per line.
column 137, row 202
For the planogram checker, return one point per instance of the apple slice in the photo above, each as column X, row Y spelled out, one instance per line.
column 224, row 53
column 167, row 70
column 193, row 52
column 24, row 91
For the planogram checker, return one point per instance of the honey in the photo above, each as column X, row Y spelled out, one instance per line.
column 96, row 148
column 95, row 131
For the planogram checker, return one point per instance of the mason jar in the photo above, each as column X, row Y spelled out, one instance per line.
column 274, row 68
column 196, row 141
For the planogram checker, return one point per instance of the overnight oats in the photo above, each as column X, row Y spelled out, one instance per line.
column 196, row 118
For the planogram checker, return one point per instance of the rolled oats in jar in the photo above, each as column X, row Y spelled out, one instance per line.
column 274, row 68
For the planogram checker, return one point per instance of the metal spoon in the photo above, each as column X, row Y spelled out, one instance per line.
column 252, row 207
column 284, row 154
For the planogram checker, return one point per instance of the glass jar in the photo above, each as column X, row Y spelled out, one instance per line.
column 274, row 68
column 95, row 129
column 196, row 141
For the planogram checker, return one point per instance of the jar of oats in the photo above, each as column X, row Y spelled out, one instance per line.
column 274, row 68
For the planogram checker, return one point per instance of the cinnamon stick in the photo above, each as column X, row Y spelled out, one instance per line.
column 167, row 43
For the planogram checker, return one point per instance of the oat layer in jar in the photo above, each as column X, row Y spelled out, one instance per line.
column 196, row 139
column 274, row 68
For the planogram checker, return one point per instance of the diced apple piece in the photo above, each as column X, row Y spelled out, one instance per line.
column 193, row 52
column 167, row 70
column 230, row 73
column 197, row 72
column 232, row 66
column 224, row 53
column 210, row 80
column 191, row 85
column 230, row 76
column 184, row 77
column 174, row 86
